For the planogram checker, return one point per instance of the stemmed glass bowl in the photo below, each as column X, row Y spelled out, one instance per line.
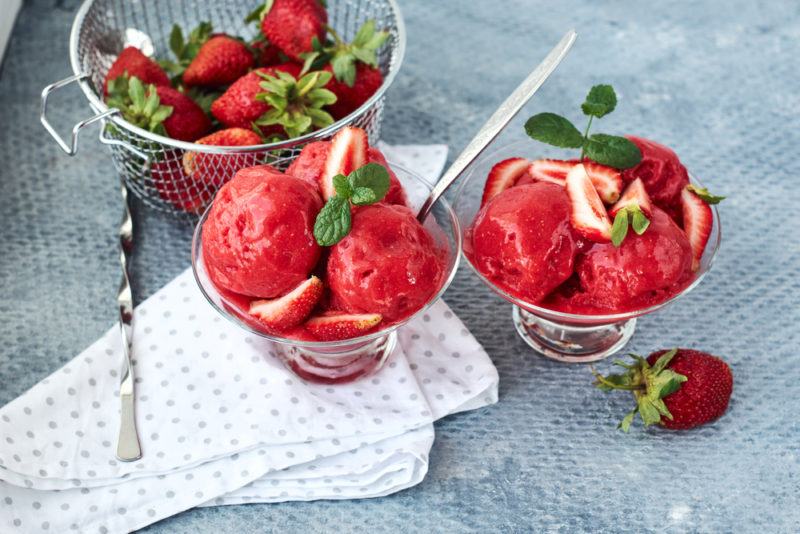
column 563, row 336
column 346, row 360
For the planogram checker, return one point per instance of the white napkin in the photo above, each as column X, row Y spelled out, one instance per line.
column 223, row 422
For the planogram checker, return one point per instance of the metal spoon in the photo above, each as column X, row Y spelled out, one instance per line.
column 499, row 120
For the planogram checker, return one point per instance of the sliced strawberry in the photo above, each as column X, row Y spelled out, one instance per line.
column 587, row 212
column 635, row 194
column 334, row 326
column 503, row 175
column 697, row 223
column 551, row 170
column 291, row 309
column 606, row 180
column 348, row 152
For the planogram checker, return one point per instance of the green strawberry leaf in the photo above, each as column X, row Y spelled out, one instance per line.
column 333, row 221
column 600, row 101
column 663, row 361
column 625, row 424
column 554, row 130
column 648, row 411
column 176, row 43
column 703, row 193
column 612, row 150
column 620, row 227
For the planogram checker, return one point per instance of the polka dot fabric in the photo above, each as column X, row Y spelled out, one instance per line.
column 222, row 421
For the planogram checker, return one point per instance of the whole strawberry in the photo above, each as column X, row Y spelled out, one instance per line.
column 354, row 66
column 220, row 61
column 678, row 389
column 291, row 25
column 211, row 171
column 238, row 106
column 133, row 62
column 159, row 109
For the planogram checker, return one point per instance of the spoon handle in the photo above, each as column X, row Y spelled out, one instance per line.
column 499, row 120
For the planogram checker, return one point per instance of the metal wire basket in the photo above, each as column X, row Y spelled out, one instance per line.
column 151, row 164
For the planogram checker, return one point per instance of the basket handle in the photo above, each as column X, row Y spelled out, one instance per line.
column 72, row 148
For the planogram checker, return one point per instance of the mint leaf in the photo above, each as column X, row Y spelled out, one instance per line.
column 363, row 196
column 600, row 101
column 639, row 220
column 703, row 193
column 342, row 186
column 613, row 151
column 333, row 221
column 554, row 130
column 620, row 227
column 371, row 176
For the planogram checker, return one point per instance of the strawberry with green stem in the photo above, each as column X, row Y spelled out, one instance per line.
column 291, row 25
column 159, row 109
column 185, row 49
column 354, row 66
column 132, row 62
column 296, row 103
column 677, row 389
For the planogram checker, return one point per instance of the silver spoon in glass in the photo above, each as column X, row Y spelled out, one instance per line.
column 507, row 110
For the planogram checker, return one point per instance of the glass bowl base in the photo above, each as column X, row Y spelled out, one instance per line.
column 572, row 343
column 338, row 365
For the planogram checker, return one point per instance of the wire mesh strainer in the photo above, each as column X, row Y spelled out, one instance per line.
column 151, row 164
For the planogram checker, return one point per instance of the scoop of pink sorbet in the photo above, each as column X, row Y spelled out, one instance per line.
column 642, row 271
column 663, row 174
column 258, row 238
column 523, row 241
column 388, row 264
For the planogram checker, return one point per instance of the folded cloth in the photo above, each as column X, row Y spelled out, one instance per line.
column 222, row 421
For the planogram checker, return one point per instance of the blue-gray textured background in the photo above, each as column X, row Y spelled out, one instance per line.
column 718, row 81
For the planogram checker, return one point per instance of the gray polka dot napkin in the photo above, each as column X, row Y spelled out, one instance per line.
column 223, row 422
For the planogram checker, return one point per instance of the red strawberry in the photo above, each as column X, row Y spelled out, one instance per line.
column 291, row 309
column 238, row 107
column 607, row 181
column 697, row 222
column 291, row 25
column 551, row 170
column 635, row 194
column 503, row 175
column 220, row 61
column 178, row 189
column 160, row 109
column 678, row 389
column 134, row 63
column 349, row 98
column 587, row 213
column 348, row 152
column 266, row 53
column 334, row 326
column 213, row 170
column 187, row 121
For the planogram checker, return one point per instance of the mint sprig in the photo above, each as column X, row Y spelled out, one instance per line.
column 610, row 150
column 365, row 185
column 629, row 216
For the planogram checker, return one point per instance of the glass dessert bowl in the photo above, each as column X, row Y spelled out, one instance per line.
column 565, row 335
column 343, row 360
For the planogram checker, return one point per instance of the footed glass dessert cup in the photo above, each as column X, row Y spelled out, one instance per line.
column 347, row 360
column 565, row 337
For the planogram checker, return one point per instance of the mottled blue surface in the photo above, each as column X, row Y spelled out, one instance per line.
column 718, row 81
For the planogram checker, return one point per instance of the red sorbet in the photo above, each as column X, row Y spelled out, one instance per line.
column 258, row 239
column 387, row 264
column 643, row 271
column 663, row 174
column 523, row 241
